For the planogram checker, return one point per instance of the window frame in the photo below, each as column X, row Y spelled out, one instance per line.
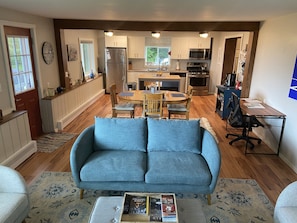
column 91, row 55
column 158, row 56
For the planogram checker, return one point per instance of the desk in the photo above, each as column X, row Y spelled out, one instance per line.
column 266, row 112
column 136, row 97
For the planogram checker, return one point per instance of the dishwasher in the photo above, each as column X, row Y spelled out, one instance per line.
column 183, row 78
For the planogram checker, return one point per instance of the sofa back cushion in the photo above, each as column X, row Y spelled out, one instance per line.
column 120, row 134
column 174, row 135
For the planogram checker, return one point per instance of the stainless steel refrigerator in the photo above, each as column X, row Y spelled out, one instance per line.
column 116, row 68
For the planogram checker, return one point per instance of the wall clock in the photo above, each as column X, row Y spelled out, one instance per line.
column 47, row 52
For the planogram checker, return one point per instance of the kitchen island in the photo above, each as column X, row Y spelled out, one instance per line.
column 166, row 82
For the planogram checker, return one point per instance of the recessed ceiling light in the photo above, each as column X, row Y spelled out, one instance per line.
column 156, row 34
column 108, row 33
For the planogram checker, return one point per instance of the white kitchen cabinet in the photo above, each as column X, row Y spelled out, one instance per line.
column 179, row 48
column 136, row 47
column 204, row 43
column 193, row 42
column 116, row 41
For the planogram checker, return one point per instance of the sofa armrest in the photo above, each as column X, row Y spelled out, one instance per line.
column 12, row 181
column 288, row 197
column 81, row 149
column 212, row 155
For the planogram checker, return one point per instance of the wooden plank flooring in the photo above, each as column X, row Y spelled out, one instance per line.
column 270, row 171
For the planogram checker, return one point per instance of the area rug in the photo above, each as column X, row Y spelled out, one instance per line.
column 55, row 199
column 52, row 141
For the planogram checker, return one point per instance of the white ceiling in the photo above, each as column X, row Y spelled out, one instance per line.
column 156, row 10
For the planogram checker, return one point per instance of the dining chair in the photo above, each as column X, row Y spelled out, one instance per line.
column 180, row 109
column 152, row 105
column 120, row 108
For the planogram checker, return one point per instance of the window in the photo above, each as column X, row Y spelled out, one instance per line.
column 157, row 56
column 87, row 56
column 21, row 64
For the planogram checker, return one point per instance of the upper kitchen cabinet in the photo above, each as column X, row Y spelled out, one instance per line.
column 204, row 43
column 179, row 48
column 199, row 43
column 116, row 41
column 136, row 46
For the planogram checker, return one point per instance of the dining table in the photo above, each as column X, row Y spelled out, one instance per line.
column 169, row 97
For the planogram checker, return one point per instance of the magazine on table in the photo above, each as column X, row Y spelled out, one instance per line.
column 149, row 207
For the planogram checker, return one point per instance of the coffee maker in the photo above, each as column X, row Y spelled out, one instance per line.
column 230, row 80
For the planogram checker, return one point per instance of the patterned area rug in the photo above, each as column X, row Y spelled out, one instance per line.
column 52, row 141
column 55, row 199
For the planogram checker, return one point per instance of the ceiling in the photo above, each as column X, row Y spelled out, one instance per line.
column 156, row 10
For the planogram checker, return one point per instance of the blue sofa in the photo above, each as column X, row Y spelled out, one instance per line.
column 146, row 155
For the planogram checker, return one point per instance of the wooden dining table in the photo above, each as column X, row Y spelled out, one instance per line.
column 169, row 97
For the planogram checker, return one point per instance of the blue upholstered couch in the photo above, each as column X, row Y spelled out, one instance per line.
column 146, row 155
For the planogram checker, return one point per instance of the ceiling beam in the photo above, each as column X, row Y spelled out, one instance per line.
column 155, row 26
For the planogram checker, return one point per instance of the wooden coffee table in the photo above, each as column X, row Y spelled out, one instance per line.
column 109, row 209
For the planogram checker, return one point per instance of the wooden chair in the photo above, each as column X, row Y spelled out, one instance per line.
column 180, row 109
column 120, row 108
column 153, row 105
column 190, row 90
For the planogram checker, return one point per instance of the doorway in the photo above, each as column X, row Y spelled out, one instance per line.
column 231, row 55
column 23, row 76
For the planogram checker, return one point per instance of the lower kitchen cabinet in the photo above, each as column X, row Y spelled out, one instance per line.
column 223, row 95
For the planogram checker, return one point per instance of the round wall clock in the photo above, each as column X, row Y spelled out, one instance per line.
column 47, row 52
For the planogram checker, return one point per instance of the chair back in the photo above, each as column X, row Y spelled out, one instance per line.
column 235, row 118
column 152, row 105
column 190, row 90
column 113, row 95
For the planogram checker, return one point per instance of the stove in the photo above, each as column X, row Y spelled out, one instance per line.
column 198, row 77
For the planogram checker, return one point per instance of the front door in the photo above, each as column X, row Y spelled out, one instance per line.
column 21, row 61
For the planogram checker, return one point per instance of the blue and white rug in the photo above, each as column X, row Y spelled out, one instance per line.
column 55, row 199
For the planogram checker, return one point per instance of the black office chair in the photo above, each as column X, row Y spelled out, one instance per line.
column 238, row 120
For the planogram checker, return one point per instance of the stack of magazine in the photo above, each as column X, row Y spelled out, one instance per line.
column 142, row 207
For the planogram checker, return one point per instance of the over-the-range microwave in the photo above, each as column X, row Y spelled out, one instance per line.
column 200, row 54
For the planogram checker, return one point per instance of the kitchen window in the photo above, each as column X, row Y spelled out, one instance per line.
column 157, row 56
column 87, row 56
column 157, row 51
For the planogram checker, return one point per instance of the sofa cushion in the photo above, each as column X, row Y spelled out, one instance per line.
column 120, row 134
column 177, row 168
column 286, row 214
column 105, row 166
column 174, row 135
column 12, row 207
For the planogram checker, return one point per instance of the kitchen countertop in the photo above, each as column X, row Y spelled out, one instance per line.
column 151, row 71
column 154, row 77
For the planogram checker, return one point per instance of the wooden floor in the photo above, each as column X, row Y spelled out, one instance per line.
column 269, row 171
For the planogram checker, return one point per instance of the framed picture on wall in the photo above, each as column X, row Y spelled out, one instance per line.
column 72, row 52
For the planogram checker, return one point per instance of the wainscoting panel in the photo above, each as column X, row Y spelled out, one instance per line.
column 59, row 111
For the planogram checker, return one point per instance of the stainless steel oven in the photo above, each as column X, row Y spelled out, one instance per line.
column 198, row 77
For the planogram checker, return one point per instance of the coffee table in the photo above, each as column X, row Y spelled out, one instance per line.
column 109, row 209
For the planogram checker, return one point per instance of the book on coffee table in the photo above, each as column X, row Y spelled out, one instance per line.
column 149, row 207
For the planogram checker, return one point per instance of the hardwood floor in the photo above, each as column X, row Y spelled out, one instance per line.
column 269, row 171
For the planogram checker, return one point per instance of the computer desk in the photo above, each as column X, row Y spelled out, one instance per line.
column 267, row 112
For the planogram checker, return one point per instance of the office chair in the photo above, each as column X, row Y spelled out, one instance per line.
column 120, row 108
column 238, row 120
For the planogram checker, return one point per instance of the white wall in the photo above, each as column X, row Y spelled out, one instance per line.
column 273, row 69
column 72, row 37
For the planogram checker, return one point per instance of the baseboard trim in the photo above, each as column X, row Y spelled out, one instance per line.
column 21, row 155
column 75, row 113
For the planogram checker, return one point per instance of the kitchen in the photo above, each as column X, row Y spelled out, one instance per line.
column 178, row 44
